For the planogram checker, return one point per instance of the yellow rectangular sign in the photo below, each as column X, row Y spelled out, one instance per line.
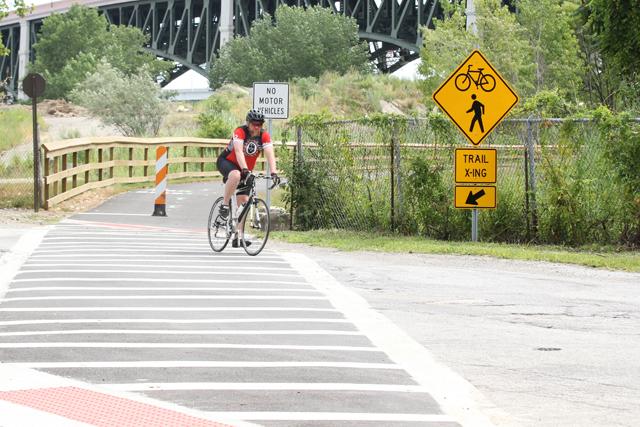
column 476, row 165
column 475, row 197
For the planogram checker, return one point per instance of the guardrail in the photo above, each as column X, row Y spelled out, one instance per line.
column 74, row 166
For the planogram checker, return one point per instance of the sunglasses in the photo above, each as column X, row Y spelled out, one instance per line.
column 257, row 124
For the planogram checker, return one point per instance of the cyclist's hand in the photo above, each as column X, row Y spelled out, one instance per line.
column 244, row 174
column 275, row 179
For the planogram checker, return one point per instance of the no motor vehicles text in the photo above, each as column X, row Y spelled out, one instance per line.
column 268, row 100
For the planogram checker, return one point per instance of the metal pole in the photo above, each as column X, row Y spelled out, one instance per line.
column 471, row 18
column 36, row 155
column 532, row 178
column 268, row 171
column 268, row 168
column 391, row 166
column 473, row 29
column 474, row 225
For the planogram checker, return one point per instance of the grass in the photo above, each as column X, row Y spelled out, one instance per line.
column 606, row 257
column 16, row 127
column 345, row 96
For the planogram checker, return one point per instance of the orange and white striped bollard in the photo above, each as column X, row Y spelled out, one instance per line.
column 162, row 169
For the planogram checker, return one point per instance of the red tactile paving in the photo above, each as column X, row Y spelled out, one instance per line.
column 101, row 409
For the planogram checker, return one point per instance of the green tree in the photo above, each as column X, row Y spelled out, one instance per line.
column 550, row 29
column 500, row 37
column 133, row 103
column 609, row 43
column 70, row 45
column 617, row 24
column 301, row 43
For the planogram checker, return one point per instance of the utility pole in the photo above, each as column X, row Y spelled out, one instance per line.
column 471, row 18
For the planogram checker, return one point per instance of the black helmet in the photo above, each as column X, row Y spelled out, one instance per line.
column 255, row 116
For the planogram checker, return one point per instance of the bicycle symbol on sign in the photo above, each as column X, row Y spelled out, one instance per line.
column 484, row 81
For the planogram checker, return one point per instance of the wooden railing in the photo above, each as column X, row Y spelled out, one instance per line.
column 74, row 166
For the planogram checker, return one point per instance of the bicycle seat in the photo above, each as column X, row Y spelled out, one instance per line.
column 480, row 69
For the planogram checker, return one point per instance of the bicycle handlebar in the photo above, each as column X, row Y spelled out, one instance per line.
column 263, row 176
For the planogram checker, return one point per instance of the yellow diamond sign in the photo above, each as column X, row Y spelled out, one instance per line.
column 475, row 97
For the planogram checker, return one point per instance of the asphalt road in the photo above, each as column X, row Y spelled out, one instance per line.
column 135, row 303
column 531, row 344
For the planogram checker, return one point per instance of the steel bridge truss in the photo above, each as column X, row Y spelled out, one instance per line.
column 188, row 31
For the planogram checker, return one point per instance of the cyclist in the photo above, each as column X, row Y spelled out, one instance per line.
column 237, row 161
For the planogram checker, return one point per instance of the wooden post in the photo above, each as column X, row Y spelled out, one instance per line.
column 146, row 159
column 111, row 150
column 64, row 168
column 55, row 170
column 130, row 160
column 46, row 179
column 74, row 180
column 201, row 156
column 184, row 154
column 87, row 158
column 99, row 162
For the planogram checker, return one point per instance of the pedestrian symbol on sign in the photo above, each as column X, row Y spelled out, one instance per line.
column 477, row 108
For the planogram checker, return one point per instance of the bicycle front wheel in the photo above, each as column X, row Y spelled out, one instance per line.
column 256, row 224
column 217, row 228
column 488, row 83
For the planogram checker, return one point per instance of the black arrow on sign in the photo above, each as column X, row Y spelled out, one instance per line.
column 472, row 199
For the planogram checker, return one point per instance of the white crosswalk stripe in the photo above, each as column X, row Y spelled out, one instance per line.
column 229, row 333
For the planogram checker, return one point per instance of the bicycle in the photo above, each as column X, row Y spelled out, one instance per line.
column 485, row 81
column 253, row 217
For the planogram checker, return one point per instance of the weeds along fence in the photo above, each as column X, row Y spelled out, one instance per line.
column 71, row 167
column 559, row 181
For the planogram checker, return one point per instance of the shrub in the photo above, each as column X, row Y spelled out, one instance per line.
column 134, row 104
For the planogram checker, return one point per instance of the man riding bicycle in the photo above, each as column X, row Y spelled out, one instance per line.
column 237, row 161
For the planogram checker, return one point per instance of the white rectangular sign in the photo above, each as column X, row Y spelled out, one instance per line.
column 271, row 99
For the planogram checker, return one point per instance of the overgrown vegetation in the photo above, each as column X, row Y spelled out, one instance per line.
column 579, row 49
column 16, row 127
column 133, row 103
column 71, row 46
column 586, row 181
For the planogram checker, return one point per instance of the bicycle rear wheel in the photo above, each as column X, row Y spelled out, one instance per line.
column 462, row 82
column 217, row 228
column 256, row 224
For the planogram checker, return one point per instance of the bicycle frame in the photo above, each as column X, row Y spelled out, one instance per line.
column 478, row 72
column 252, row 196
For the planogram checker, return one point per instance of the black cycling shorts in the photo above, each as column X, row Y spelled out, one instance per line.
column 225, row 167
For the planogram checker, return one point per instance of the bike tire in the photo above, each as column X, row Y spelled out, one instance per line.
column 216, row 230
column 488, row 83
column 256, row 225
column 462, row 82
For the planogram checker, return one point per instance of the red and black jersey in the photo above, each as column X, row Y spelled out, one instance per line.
column 252, row 146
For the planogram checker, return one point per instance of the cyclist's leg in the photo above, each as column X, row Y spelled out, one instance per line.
column 242, row 199
column 233, row 178
column 230, row 177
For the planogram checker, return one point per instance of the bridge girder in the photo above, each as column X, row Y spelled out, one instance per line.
column 188, row 31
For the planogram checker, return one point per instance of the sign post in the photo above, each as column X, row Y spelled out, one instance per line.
column 476, row 98
column 34, row 85
column 272, row 100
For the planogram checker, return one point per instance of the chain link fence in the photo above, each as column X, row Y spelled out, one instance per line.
column 16, row 177
column 557, row 181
